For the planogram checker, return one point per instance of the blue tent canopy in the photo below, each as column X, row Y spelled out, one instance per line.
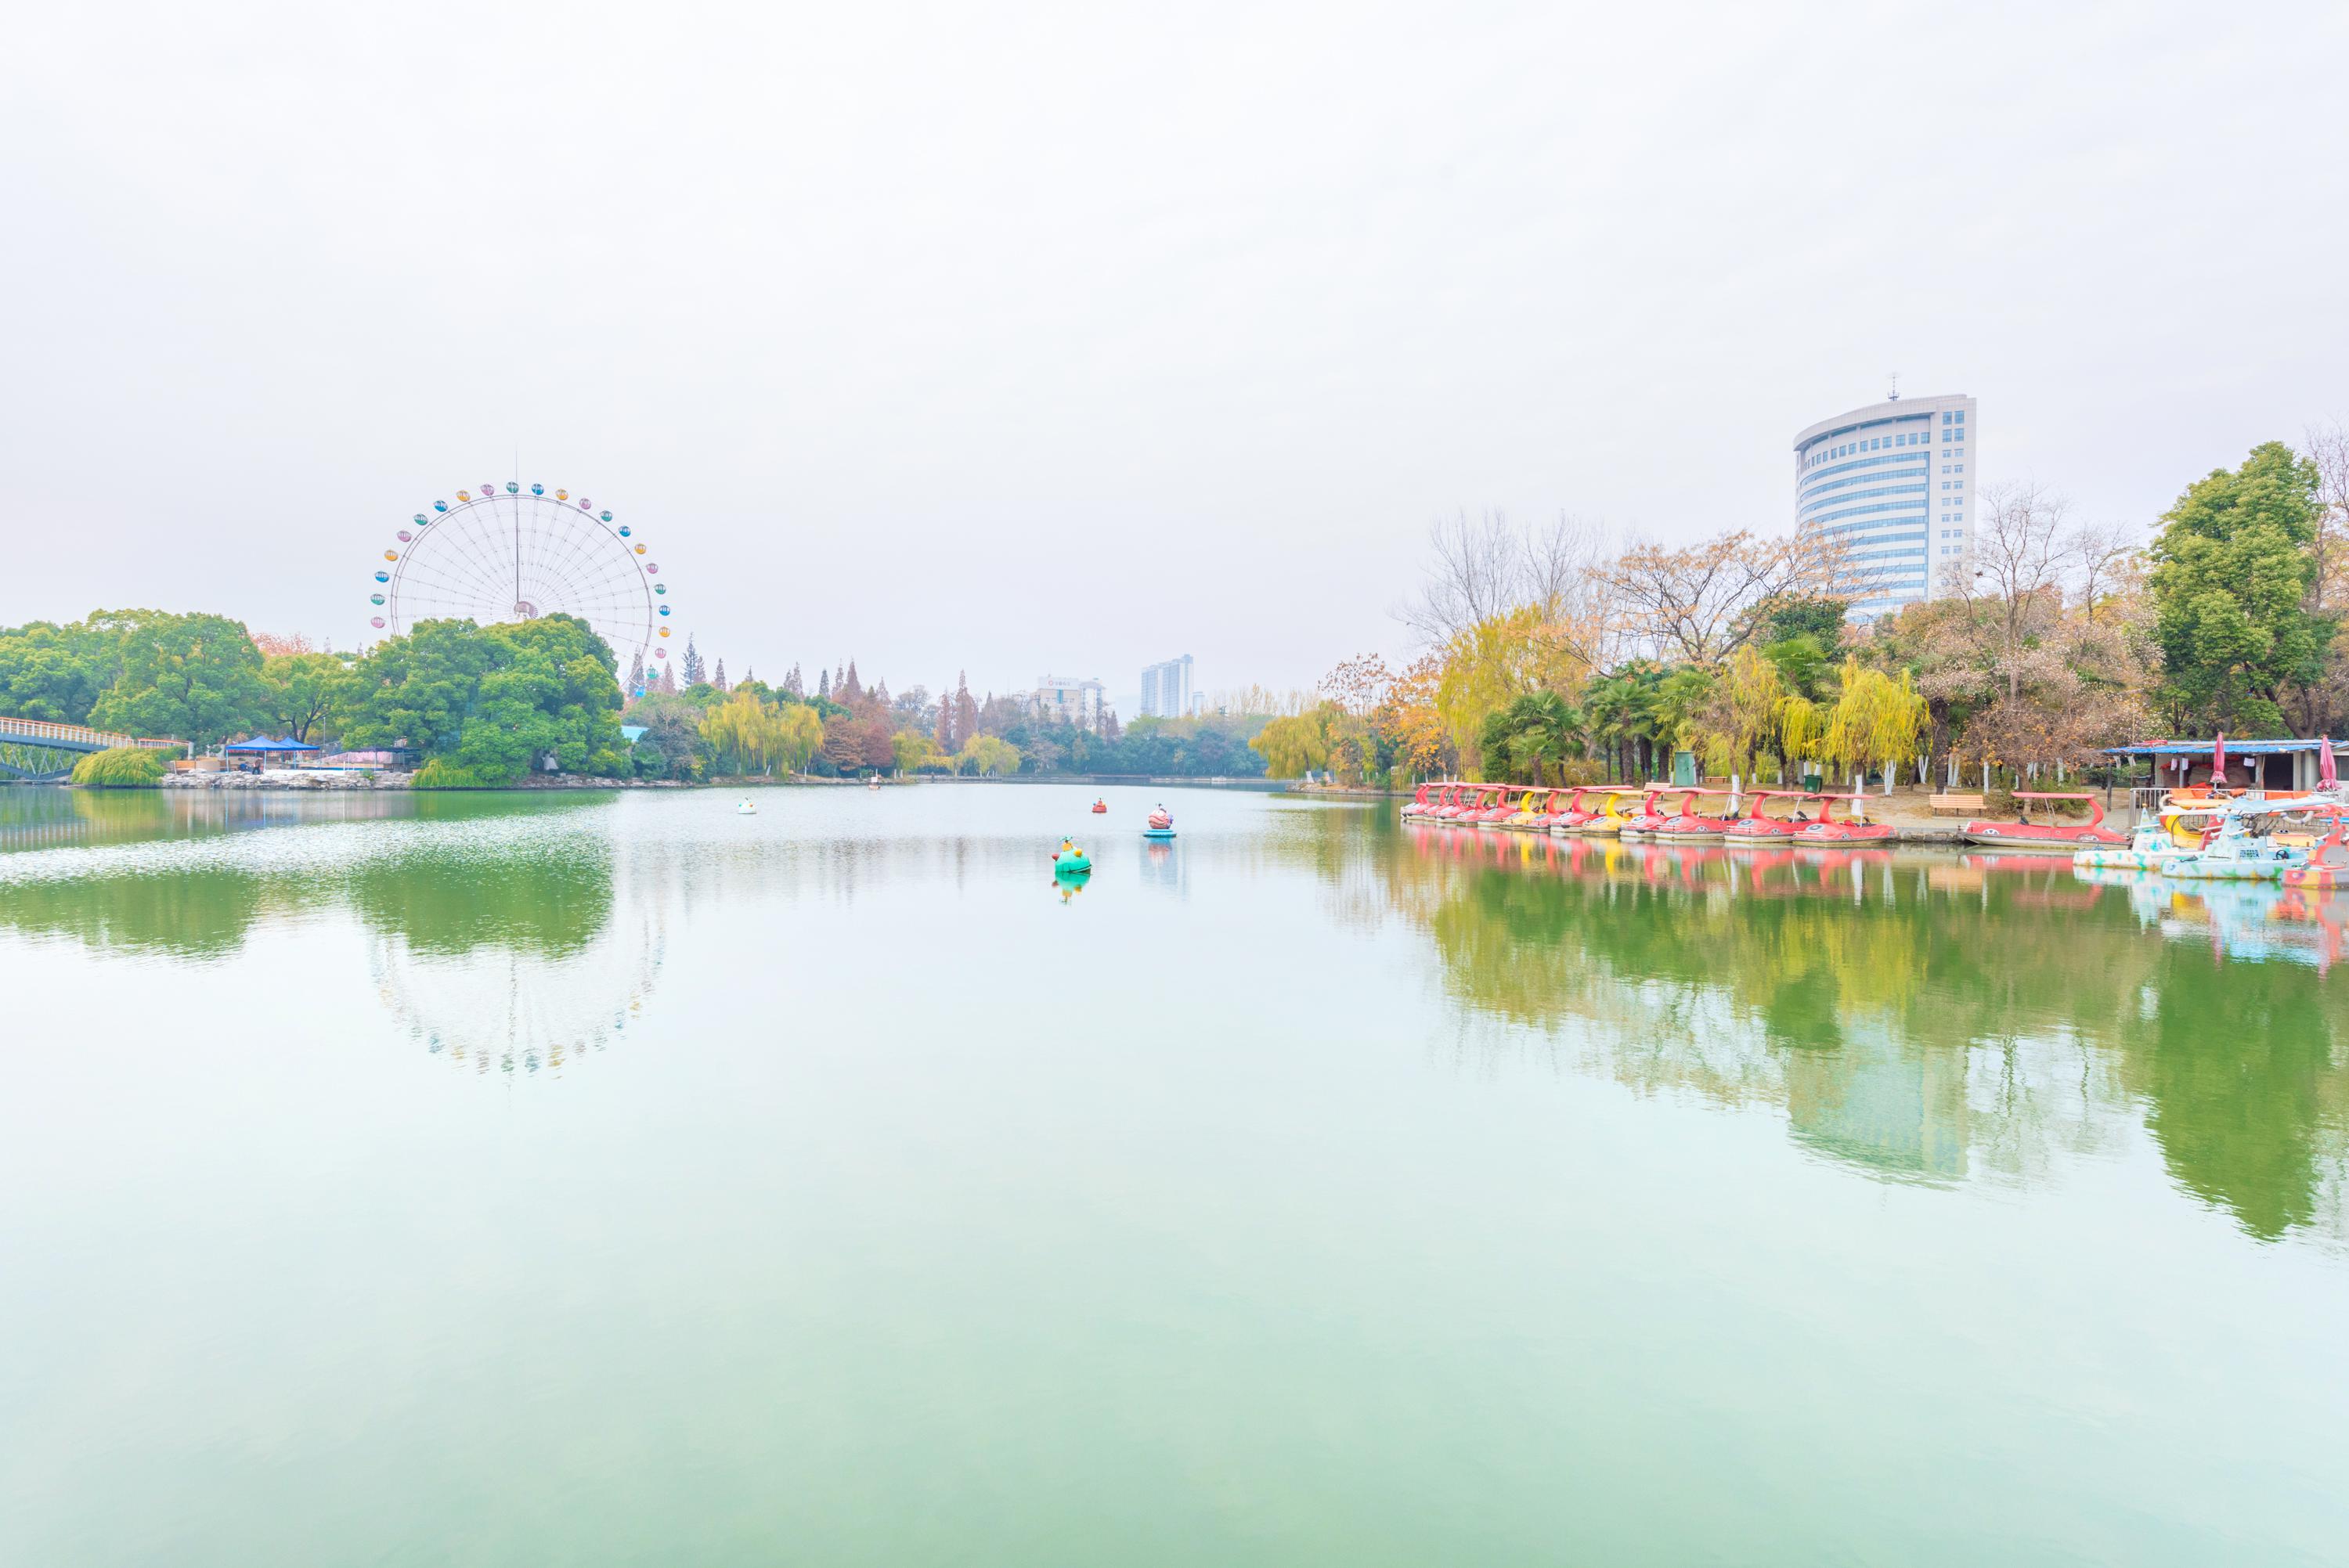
column 262, row 743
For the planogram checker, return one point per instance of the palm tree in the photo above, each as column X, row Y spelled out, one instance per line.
column 1536, row 728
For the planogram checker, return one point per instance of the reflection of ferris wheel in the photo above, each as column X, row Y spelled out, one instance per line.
column 507, row 553
column 513, row 1010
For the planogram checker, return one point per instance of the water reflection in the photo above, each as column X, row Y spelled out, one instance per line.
column 1928, row 1018
column 35, row 817
column 1934, row 1019
column 502, row 932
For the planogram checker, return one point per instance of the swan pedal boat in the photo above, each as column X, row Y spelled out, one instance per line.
column 2050, row 836
column 1605, row 818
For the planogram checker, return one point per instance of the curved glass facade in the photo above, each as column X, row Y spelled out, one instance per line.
column 1868, row 479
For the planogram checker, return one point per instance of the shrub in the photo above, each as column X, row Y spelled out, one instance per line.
column 607, row 763
column 121, row 768
column 438, row 774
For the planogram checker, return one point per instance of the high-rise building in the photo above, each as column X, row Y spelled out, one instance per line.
column 1166, row 688
column 1068, row 699
column 1890, row 483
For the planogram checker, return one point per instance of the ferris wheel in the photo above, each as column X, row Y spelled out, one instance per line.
column 514, row 553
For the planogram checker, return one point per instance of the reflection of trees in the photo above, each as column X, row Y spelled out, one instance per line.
column 2238, row 1069
column 546, row 898
column 510, row 948
column 1925, row 1017
column 187, row 914
column 508, row 956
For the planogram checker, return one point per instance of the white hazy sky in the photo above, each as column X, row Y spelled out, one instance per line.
column 1071, row 338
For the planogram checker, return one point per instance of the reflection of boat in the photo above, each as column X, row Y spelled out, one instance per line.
column 2048, row 835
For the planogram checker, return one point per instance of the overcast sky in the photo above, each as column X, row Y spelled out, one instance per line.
column 1026, row 338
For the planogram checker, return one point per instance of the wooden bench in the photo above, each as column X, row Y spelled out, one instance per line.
column 1967, row 804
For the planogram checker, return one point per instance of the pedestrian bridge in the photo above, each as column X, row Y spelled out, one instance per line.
column 41, row 750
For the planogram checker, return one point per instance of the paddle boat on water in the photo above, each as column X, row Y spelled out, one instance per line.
column 1693, row 825
column 1605, row 815
column 1492, row 804
column 2237, row 846
column 1552, row 812
column 1575, row 809
column 1532, row 805
column 2326, row 867
column 1101, row 808
column 2048, row 834
column 1417, row 805
column 1853, row 829
column 1069, row 861
column 1757, row 828
column 1653, row 812
column 2176, row 829
column 746, row 809
column 1161, row 825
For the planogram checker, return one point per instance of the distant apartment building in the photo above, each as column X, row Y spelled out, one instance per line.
column 1066, row 699
column 1166, row 688
column 1892, row 483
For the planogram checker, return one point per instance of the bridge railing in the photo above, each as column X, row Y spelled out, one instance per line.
column 38, row 729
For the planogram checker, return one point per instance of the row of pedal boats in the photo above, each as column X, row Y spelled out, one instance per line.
column 1662, row 813
column 2295, row 839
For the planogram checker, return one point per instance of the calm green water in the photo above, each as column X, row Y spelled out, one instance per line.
column 619, row 1179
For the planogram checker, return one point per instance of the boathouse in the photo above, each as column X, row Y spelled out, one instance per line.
column 2249, row 764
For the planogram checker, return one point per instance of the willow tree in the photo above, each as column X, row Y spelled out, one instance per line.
column 1299, row 743
column 1497, row 661
column 1877, row 722
column 1742, row 724
column 758, row 735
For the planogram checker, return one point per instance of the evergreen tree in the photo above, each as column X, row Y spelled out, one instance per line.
column 749, row 676
column 667, row 681
column 792, row 682
column 949, row 737
column 637, row 674
column 965, row 711
column 849, row 688
column 718, row 680
column 823, row 686
column 692, row 663
column 2232, row 573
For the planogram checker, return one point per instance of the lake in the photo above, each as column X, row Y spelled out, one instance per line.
column 617, row 1179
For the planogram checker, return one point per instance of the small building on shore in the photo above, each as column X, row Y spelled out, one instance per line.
column 2249, row 764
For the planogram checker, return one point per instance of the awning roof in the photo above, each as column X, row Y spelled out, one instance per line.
column 264, row 743
column 2234, row 747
